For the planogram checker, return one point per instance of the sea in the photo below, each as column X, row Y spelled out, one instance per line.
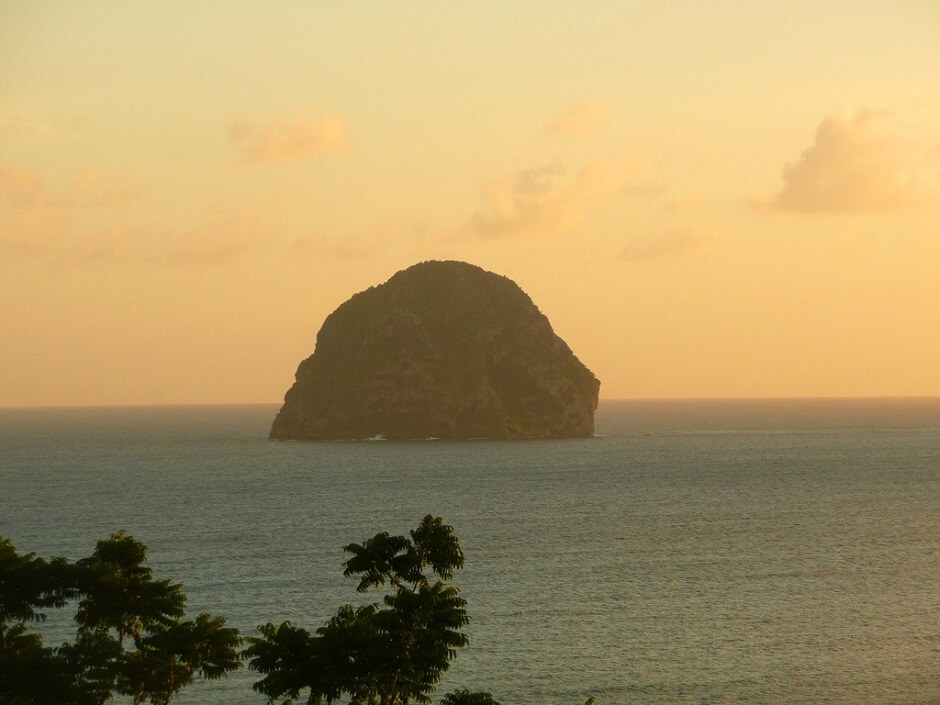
column 693, row 552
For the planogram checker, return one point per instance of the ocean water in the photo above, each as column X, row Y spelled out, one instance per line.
column 694, row 552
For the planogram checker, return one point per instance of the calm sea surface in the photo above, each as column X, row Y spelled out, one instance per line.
column 695, row 552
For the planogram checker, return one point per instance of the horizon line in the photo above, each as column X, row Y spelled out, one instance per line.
column 796, row 398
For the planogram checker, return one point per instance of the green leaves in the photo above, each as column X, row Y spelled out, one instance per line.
column 283, row 654
column 29, row 584
column 119, row 601
column 465, row 697
column 206, row 646
column 121, row 594
column 382, row 557
column 378, row 655
column 401, row 561
column 437, row 547
column 131, row 638
column 422, row 632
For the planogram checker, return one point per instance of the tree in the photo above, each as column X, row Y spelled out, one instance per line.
column 466, row 697
column 130, row 637
column 374, row 654
column 28, row 586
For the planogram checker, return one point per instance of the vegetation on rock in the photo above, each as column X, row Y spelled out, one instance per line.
column 440, row 350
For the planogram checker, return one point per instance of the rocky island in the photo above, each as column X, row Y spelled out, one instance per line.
column 441, row 350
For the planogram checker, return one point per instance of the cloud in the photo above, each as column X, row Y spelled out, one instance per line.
column 94, row 188
column 684, row 204
column 287, row 139
column 21, row 187
column 543, row 199
column 664, row 245
column 858, row 162
column 533, row 199
column 581, row 120
column 17, row 124
column 31, row 220
column 38, row 223
column 36, row 220
column 214, row 243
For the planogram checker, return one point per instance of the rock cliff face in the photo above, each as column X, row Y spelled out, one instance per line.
column 440, row 350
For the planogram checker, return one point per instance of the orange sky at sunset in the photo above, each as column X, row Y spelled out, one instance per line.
column 707, row 199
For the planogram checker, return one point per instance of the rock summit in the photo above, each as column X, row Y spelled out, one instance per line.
column 441, row 350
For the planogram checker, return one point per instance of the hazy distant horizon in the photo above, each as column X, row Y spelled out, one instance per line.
column 602, row 401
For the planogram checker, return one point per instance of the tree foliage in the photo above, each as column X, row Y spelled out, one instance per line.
column 130, row 637
column 391, row 653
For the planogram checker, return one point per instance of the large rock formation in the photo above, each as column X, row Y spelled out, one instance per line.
column 440, row 350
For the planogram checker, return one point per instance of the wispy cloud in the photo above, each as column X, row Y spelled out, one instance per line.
column 533, row 199
column 32, row 220
column 95, row 188
column 859, row 161
column 36, row 220
column 583, row 119
column 19, row 124
column 545, row 199
column 665, row 244
column 684, row 204
column 216, row 242
column 21, row 187
column 287, row 139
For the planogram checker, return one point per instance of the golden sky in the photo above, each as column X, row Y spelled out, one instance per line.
column 707, row 199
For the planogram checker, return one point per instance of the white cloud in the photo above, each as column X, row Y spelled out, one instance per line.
column 544, row 199
column 859, row 162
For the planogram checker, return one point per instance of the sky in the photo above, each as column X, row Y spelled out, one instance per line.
column 707, row 199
